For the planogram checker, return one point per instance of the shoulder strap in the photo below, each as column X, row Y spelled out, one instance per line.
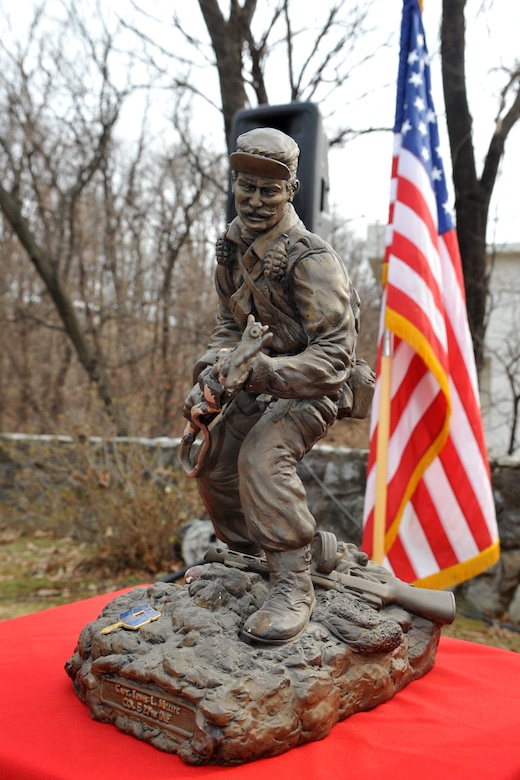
column 276, row 311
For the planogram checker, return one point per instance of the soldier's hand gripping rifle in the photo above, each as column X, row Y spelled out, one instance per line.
column 436, row 605
column 233, row 370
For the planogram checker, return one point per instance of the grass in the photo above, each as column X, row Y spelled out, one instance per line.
column 39, row 571
column 83, row 519
column 483, row 631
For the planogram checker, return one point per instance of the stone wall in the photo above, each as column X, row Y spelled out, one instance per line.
column 334, row 479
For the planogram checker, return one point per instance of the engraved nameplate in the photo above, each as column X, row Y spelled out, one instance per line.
column 144, row 704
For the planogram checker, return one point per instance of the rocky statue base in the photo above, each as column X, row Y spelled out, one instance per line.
column 188, row 684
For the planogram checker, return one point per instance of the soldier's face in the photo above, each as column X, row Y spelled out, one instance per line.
column 260, row 203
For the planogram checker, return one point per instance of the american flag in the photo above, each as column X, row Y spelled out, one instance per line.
column 440, row 525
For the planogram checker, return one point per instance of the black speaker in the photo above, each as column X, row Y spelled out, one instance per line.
column 303, row 122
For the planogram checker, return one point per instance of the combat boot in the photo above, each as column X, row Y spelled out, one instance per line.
column 287, row 609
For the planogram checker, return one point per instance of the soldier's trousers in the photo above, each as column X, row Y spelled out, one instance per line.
column 249, row 483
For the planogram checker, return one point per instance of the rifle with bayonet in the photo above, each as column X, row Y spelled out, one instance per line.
column 435, row 605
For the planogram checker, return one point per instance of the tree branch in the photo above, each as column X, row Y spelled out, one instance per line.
column 12, row 210
column 503, row 127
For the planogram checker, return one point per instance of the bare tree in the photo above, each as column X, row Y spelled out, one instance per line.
column 353, row 251
column 315, row 56
column 228, row 38
column 473, row 191
column 49, row 162
column 119, row 235
column 104, row 225
column 513, row 375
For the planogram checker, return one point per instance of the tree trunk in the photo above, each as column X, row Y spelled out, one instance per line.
column 472, row 194
column 228, row 39
column 64, row 306
column 471, row 206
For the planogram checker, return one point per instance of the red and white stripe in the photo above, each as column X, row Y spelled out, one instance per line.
column 440, row 525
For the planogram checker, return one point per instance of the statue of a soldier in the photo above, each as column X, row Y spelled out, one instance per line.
column 270, row 268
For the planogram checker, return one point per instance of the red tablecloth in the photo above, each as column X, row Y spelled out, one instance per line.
column 462, row 720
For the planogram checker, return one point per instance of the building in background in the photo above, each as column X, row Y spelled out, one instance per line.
column 500, row 378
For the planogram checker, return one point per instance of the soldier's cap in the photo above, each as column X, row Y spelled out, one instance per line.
column 266, row 152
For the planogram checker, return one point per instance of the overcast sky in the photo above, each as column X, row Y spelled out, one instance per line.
column 492, row 41
column 360, row 172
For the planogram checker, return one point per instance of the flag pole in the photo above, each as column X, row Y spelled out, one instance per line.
column 383, row 436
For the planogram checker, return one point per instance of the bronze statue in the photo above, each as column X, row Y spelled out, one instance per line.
column 162, row 662
column 276, row 374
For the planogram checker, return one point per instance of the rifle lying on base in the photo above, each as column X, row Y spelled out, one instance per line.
column 435, row 605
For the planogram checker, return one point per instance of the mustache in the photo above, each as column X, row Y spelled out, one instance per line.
column 263, row 213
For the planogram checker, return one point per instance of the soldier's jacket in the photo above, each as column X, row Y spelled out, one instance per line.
column 293, row 281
